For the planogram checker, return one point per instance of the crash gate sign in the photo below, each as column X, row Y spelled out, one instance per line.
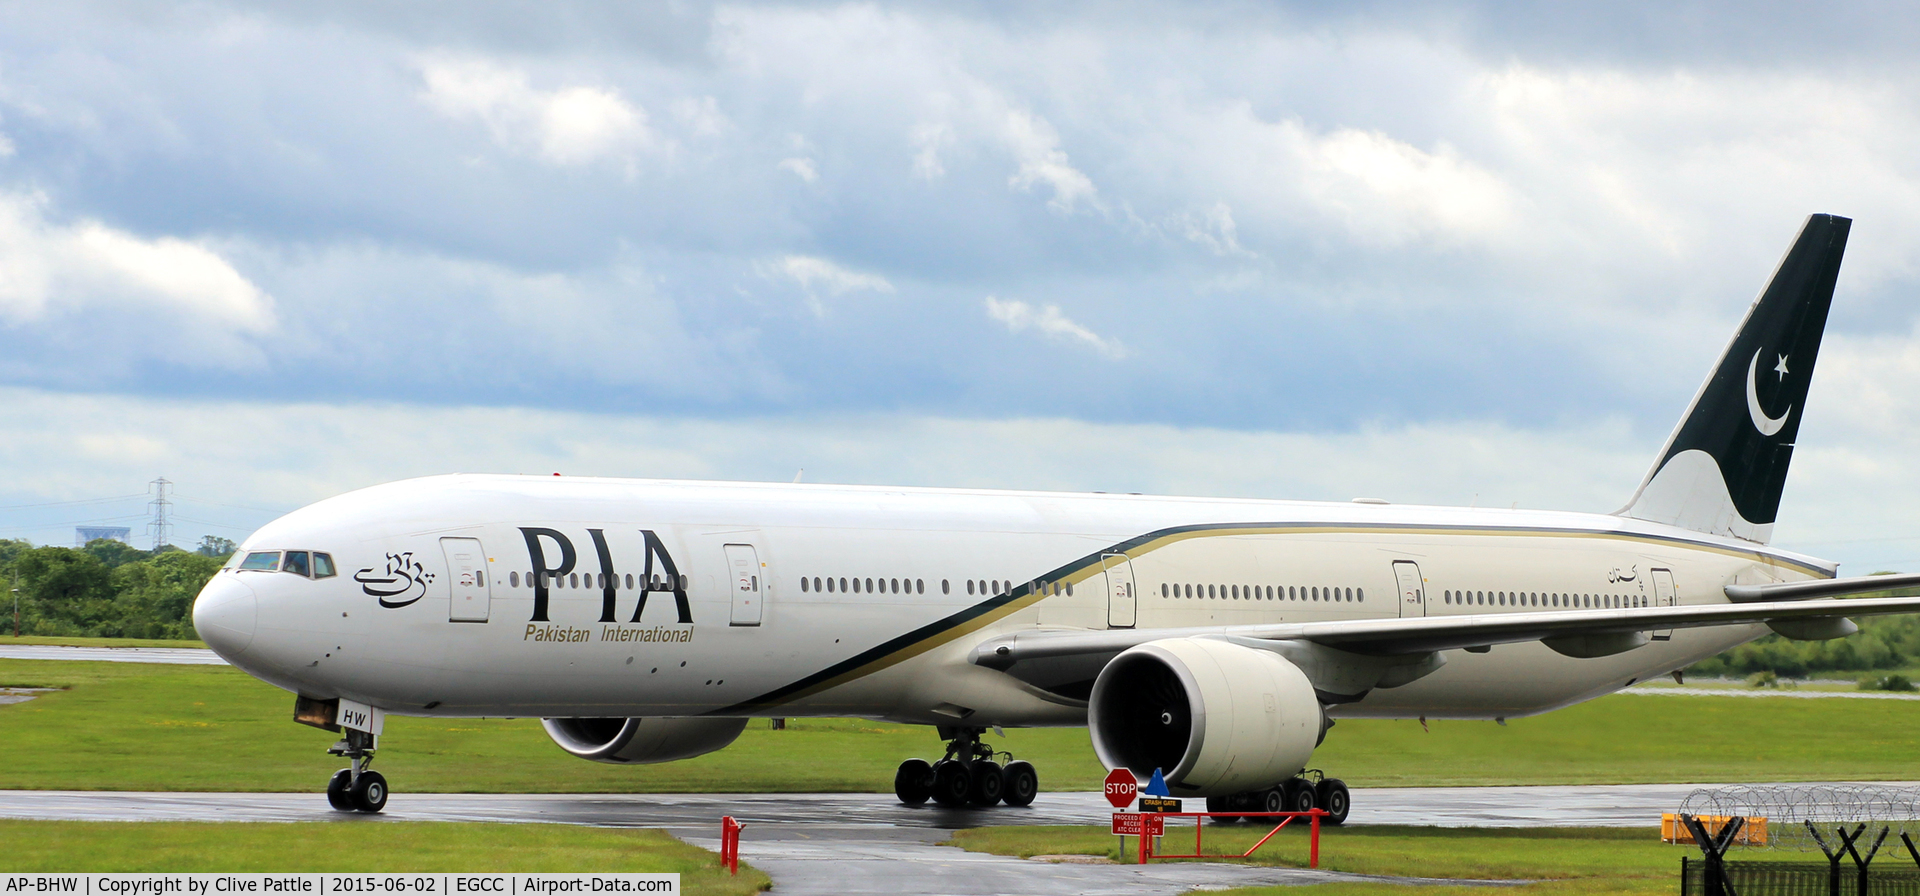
column 1121, row 787
column 1130, row 824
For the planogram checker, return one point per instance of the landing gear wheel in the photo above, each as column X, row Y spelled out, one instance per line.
column 1019, row 783
column 913, row 783
column 952, row 783
column 369, row 792
column 1222, row 804
column 987, row 784
column 1332, row 796
column 1299, row 795
column 1274, row 799
column 337, row 796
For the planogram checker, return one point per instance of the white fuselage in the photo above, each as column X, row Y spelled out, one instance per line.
column 764, row 641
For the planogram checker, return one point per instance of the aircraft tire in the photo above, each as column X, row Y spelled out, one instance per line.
column 988, row 784
column 952, row 782
column 1019, row 783
column 337, row 796
column 1222, row 804
column 1332, row 796
column 370, row 792
column 1300, row 795
column 913, row 783
column 1274, row 799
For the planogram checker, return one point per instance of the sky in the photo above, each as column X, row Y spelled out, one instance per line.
column 1474, row 253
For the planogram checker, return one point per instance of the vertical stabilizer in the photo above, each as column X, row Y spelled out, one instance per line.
column 1723, row 468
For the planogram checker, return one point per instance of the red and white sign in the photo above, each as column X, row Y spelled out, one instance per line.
column 1130, row 824
column 1121, row 788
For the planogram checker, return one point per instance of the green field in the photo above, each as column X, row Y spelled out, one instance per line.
column 360, row 846
column 126, row 726
column 1563, row 860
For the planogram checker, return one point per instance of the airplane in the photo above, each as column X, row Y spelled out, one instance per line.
column 1214, row 640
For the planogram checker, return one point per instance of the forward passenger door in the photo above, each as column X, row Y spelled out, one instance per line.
column 467, row 579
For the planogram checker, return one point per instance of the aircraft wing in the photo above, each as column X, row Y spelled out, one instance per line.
column 1402, row 637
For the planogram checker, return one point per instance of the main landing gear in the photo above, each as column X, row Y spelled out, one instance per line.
column 1311, row 789
column 968, row 777
column 356, row 788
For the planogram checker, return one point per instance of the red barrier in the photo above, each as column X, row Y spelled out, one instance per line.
column 1154, row 819
column 730, row 844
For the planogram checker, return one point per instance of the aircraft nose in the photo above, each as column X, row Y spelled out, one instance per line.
column 224, row 615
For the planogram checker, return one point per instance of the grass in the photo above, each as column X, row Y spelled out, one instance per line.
column 128, row 726
column 1562, row 860
column 65, row 641
column 361, row 845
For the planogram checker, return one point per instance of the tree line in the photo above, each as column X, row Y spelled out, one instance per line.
column 107, row 589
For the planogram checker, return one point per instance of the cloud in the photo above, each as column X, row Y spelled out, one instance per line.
column 49, row 268
column 1018, row 316
column 575, row 125
column 1036, row 148
column 817, row 275
column 287, row 454
column 801, row 168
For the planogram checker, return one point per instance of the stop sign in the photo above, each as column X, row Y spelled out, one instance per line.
column 1121, row 787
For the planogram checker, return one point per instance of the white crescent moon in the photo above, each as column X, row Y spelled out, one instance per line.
column 1767, row 425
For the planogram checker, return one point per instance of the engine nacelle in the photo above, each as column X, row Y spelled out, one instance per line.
column 1215, row 718
column 642, row 740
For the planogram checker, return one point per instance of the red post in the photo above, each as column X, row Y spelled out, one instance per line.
column 1145, row 839
column 730, row 844
column 1313, row 851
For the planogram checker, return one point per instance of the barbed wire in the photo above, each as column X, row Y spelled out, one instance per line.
column 1787, row 809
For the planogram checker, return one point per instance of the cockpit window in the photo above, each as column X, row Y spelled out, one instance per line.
column 267, row 560
column 296, row 563
column 322, row 565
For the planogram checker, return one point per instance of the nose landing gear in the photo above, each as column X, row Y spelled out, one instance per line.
column 356, row 788
column 968, row 776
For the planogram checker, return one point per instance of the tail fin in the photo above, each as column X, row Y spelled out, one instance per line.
column 1724, row 466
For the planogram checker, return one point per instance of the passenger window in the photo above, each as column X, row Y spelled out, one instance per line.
column 945, row 587
column 969, row 586
column 919, row 586
column 262, row 560
column 323, row 566
column 513, row 578
column 296, row 563
column 843, row 583
column 803, row 584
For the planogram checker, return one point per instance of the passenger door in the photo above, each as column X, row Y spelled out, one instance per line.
column 1122, row 605
column 467, row 579
column 1413, row 589
column 749, row 580
column 1664, row 595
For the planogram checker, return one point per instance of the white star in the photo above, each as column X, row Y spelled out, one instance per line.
column 1781, row 367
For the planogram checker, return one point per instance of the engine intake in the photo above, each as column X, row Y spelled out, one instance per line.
column 643, row 740
column 1214, row 717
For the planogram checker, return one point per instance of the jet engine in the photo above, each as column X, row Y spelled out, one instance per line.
column 642, row 740
column 1216, row 718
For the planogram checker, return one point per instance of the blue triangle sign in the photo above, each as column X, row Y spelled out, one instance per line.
column 1157, row 786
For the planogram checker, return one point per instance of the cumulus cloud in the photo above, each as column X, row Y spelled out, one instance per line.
column 800, row 167
column 1018, row 316
column 48, row 268
column 573, row 125
column 818, row 275
column 1036, row 148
